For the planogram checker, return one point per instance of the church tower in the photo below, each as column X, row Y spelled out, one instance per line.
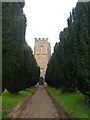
column 42, row 53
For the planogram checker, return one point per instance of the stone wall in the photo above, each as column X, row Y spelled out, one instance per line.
column 42, row 53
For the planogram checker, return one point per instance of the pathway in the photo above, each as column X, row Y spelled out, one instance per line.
column 40, row 105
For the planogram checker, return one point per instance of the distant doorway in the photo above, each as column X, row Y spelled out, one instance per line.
column 41, row 81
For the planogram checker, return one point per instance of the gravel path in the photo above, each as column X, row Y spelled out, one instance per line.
column 40, row 105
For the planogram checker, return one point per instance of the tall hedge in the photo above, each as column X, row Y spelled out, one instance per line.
column 69, row 66
column 17, row 56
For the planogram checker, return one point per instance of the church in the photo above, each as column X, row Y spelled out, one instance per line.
column 42, row 53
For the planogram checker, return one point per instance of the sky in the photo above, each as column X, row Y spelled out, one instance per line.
column 46, row 19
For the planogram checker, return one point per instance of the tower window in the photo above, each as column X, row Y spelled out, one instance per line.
column 41, row 49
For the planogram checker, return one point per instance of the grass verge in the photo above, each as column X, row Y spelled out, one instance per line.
column 9, row 101
column 0, row 107
column 74, row 103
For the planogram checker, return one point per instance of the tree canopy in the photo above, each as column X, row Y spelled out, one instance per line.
column 19, row 69
column 69, row 66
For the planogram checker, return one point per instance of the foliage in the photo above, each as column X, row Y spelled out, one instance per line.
column 30, row 69
column 19, row 67
column 69, row 66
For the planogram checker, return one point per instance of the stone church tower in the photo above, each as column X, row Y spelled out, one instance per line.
column 42, row 53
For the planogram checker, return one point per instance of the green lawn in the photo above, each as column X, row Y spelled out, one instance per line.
column 74, row 103
column 9, row 101
column 0, row 107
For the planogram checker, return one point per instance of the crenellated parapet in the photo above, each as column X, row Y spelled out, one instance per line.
column 41, row 39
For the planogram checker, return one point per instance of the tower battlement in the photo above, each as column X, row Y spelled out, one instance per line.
column 41, row 39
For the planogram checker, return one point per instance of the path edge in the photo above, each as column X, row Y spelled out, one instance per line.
column 19, row 108
column 59, row 107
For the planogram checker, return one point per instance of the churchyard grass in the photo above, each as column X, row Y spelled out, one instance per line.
column 74, row 103
column 0, row 107
column 9, row 101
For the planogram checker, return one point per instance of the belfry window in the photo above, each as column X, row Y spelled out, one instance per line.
column 41, row 49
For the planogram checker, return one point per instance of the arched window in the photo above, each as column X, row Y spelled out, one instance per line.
column 41, row 49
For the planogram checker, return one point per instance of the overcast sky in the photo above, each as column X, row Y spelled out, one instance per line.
column 46, row 18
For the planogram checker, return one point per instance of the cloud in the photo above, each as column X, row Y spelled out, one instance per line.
column 46, row 18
